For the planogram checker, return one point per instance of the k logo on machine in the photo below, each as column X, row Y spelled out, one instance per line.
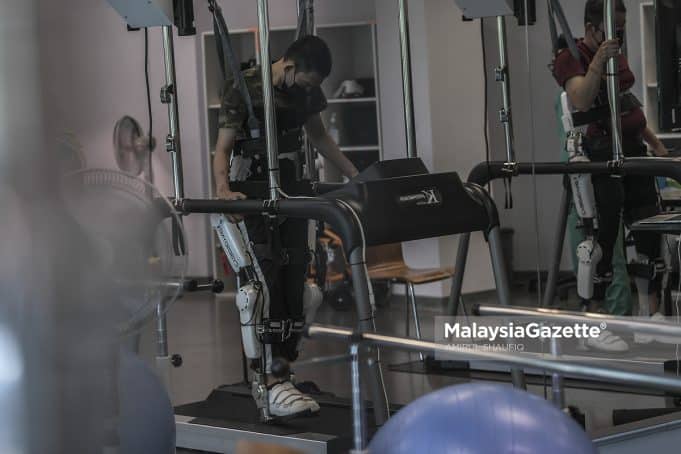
column 426, row 197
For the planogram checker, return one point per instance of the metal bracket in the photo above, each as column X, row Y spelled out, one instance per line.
column 510, row 168
column 261, row 396
column 500, row 74
column 617, row 167
column 170, row 143
column 167, row 92
column 575, row 142
column 271, row 207
column 504, row 115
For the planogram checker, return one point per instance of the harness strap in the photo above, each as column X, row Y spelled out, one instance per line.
column 227, row 56
column 556, row 11
column 305, row 18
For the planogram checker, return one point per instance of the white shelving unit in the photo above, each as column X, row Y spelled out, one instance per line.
column 649, row 65
column 353, row 47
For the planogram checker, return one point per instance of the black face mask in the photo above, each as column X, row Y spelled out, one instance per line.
column 296, row 91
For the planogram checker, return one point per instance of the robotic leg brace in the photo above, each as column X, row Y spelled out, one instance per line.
column 253, row 300
column 589, row 252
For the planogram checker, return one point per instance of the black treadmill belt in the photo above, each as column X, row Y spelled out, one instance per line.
column 233, row 407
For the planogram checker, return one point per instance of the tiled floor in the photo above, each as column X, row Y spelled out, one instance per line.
column 204, row 329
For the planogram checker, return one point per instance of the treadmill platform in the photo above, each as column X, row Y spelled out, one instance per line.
column 230, row 415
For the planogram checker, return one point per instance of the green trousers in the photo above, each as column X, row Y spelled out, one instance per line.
column 618, row 296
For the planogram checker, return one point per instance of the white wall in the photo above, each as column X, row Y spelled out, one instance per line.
column 448, row 137
column 457, row 117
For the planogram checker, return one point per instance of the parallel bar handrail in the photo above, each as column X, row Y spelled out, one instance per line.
column 517, row 359
column 625, row 323
column 485, row 172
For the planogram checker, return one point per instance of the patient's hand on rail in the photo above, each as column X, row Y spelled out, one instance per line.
column 224, row 193
column 660, row 150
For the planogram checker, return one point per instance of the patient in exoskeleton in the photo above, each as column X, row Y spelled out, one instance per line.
column 604, row 201
column 272, row 253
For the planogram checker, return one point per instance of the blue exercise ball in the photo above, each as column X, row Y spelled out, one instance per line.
column 481, row 419
column 147, row 419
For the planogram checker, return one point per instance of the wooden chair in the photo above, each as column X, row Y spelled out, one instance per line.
column 386, row 263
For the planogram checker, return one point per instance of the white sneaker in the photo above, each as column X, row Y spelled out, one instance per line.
column 643, row 338
column 658, row 317
column 286, row 400
column 607, row 342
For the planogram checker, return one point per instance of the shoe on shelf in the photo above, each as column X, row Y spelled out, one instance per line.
column 607, row 342
column 286, row 400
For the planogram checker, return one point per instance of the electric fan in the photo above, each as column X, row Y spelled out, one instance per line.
column 136, row 238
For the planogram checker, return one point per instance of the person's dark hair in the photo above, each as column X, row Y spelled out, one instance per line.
column 310, row 54
column 593, row 11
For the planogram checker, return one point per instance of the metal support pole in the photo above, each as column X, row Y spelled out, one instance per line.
column 613, row 83
column 407, row 89
column 268, row 99
column 407, row 315
column 415, row 313
column 169, row 96
column 459, row 272
column 503, row 290
column 365, row 315
column 163, row 365
column 557, row 253
column 503, row 77
column 557, row 388
column 161, row 330
column 499, row 267
column 358, row 412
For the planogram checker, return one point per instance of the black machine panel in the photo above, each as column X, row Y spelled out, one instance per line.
column 668, row 45
column 400, row 201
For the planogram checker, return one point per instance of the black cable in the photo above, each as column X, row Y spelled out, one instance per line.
column 146, row 77
column 486, row 100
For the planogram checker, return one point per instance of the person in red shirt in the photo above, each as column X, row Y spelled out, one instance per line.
column 631, row 197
